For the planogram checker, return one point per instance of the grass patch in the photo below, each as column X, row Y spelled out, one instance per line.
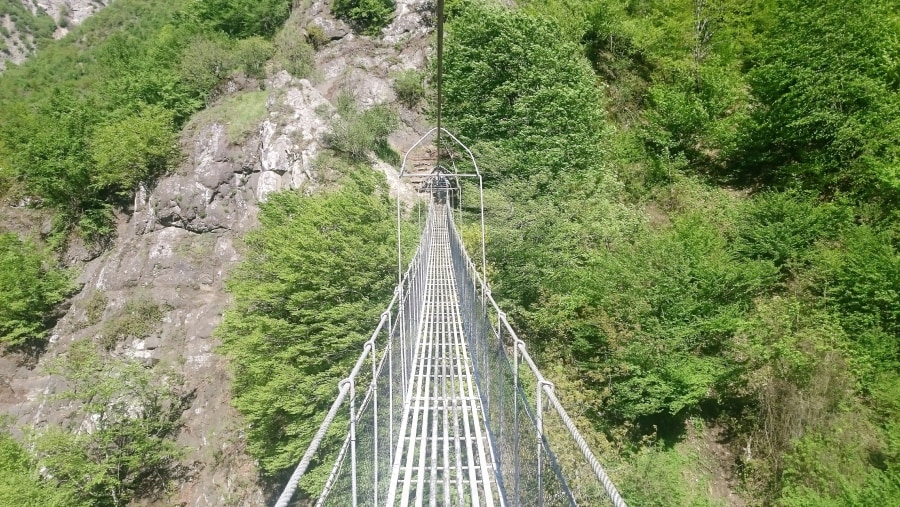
column 241, row 114
column 96, row 305
column 137, row 319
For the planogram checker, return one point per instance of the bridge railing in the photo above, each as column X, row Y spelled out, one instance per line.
column 541, row 457
column 365, row 417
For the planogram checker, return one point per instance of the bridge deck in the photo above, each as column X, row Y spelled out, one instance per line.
column 443, row 456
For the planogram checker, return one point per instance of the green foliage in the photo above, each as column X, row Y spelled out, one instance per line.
column 244, row 18
column 90, row 117
column 509, row 80
column 409, row 88
column 130, row 451
column 655, row 478
column 253, row 53
column 206, row 62
column 316, row 36
column 358, row 133
column 241, row 114
column 366, row 16
column 317, row 273
column 38, row 25
column 20, row 482
column 133, row 150
column 137, row 319
column 292, row 52
column 95, row 308
column 828, row 105
column 782, row 227
column 30, row 288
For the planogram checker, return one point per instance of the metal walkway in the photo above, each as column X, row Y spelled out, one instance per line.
column 445, row 406
column 443, row 454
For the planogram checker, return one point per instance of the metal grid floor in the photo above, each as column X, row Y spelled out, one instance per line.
column 443, row 456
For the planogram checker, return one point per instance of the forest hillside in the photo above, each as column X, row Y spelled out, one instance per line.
column 692, row 220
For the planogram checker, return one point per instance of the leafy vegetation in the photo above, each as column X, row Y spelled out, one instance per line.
column 366, row 16
column 30, row 287
column 409, row 87
column 20, row 483
column 690, row 209
column 357, row 133
column 317, row 274
column 92, row 117
column 130, row 450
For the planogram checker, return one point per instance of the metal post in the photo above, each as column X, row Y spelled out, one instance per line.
column 375, row 415
column 516, row 416
column 353, row 440
column 539, row 417
column 390, row 352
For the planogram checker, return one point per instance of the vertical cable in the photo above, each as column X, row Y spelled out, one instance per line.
column 440, row 73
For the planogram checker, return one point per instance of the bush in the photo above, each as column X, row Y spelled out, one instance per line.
column 244, row 18
column 30, row 288
column 366, row 16
column 205, row 63
column 134, row 150
column 21, row 483
column 358, row 133
column 292, row 53
column 252, row 54
column 137, row 319
column 408, row 87
column 129, row 451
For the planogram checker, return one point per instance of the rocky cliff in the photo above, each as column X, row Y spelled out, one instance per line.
column 175, row 248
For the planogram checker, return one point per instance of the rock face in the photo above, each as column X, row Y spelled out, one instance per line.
column 67, row 13
column 177, row 247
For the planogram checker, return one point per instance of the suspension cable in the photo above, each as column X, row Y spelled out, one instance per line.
column 440, row 73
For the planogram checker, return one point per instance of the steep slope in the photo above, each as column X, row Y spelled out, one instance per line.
column 24, row 24
column 172, row 254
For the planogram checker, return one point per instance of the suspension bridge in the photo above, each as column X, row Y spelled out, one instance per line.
column 444, row 405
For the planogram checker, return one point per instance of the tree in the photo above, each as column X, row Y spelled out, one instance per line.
column 244, row 18
column 20, row 483
column 131, row 416
column 317, row 274
column 30, row 288
column 826, row 84
column 366, row 16
column 133, row 150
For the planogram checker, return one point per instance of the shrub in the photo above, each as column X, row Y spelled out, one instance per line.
column 303, row 309
column 138, row 319
column 292, row 53
column 315, row 35
column 366, row 16
column 245, row 18
column 358, row 133
column 408, row 87
column 133, row 150
column 252, row 54
column 134, row 416
column 205, row 63
column 20, row 482
column 30, row 288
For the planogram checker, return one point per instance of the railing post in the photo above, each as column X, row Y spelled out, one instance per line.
column 516, row 434
column 374, row 386
column 389, row 350
column 541, row 385
column 353, row 483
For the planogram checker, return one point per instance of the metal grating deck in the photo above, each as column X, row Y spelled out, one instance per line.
column 443, row 456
